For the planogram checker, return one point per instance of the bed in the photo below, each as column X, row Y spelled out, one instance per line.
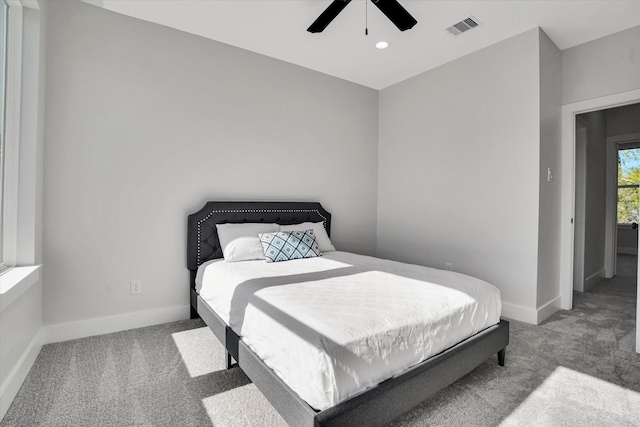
column 377, row 400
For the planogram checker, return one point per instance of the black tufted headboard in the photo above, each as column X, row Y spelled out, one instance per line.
column 202, row 236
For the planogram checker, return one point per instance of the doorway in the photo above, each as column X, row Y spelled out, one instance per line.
column 569, row 189
column 607, row 166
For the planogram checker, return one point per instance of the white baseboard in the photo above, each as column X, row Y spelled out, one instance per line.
column 530, row 315
column 520, row 313
column 593, row 279
column 107, row 325
column 546, row 310
column 12, row 384
column 628, row 251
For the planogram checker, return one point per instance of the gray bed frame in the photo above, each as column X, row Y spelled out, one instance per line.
column 373, row 407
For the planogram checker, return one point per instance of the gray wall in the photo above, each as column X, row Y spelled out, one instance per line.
column 459, row 166
column 623, row 120
column 601, row 67
column 550, row 157
column 145, row 123
column 627, row 242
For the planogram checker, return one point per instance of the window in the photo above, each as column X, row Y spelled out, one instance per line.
column 22, row 105
column 3, row 38
column 628, row 180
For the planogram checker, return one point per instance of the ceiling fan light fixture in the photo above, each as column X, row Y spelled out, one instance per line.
column 391, row 8
column 382, row 45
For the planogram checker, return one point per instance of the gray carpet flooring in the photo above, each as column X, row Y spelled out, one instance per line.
column 576, row 369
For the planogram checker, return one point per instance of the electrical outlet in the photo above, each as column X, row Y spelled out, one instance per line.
column 136, row 287
column 449, row 266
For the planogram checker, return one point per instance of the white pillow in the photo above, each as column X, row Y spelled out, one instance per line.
column 240, row 242
column 318, row 229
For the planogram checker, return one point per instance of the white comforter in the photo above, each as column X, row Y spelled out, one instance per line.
column 336, row 325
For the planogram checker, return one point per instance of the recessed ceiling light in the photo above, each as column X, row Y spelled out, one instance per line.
column 382, row 45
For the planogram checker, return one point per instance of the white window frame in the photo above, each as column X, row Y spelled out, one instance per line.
column 620, row 147
column 11, row 197
column 13, row 86
column 2, row 147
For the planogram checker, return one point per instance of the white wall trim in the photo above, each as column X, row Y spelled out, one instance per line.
column 530, row 315
column 12, row 129
column 579, row 228
column 593, row 279
column 569, row 112
column 611, row 208
column 546, row 310
column 16, row 377
column 107, row 325
column 16, row 282
column 624, row 139
column 519, row 313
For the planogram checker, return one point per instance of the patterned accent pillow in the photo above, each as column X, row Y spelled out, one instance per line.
column 288, row 245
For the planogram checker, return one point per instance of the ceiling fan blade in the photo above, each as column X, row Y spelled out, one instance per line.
column 396, row 14
column 328, row 15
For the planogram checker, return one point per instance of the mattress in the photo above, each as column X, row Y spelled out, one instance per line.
column 336, row 325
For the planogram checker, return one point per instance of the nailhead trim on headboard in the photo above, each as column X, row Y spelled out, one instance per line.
column 324, row 219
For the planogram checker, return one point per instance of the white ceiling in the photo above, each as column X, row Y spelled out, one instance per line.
column 277, row 28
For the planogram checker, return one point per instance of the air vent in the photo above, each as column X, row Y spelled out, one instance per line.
column 463, row 26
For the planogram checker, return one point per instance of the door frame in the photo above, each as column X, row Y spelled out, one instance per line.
column 580, row 175
column 569, row 112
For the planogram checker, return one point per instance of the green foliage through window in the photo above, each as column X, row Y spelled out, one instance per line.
column 628, row 180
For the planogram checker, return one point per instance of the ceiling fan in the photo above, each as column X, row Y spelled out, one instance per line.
column 394, row 11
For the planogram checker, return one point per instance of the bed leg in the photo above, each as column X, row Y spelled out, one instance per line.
column 229, row 360
column 194, row 313
column 501, row 355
